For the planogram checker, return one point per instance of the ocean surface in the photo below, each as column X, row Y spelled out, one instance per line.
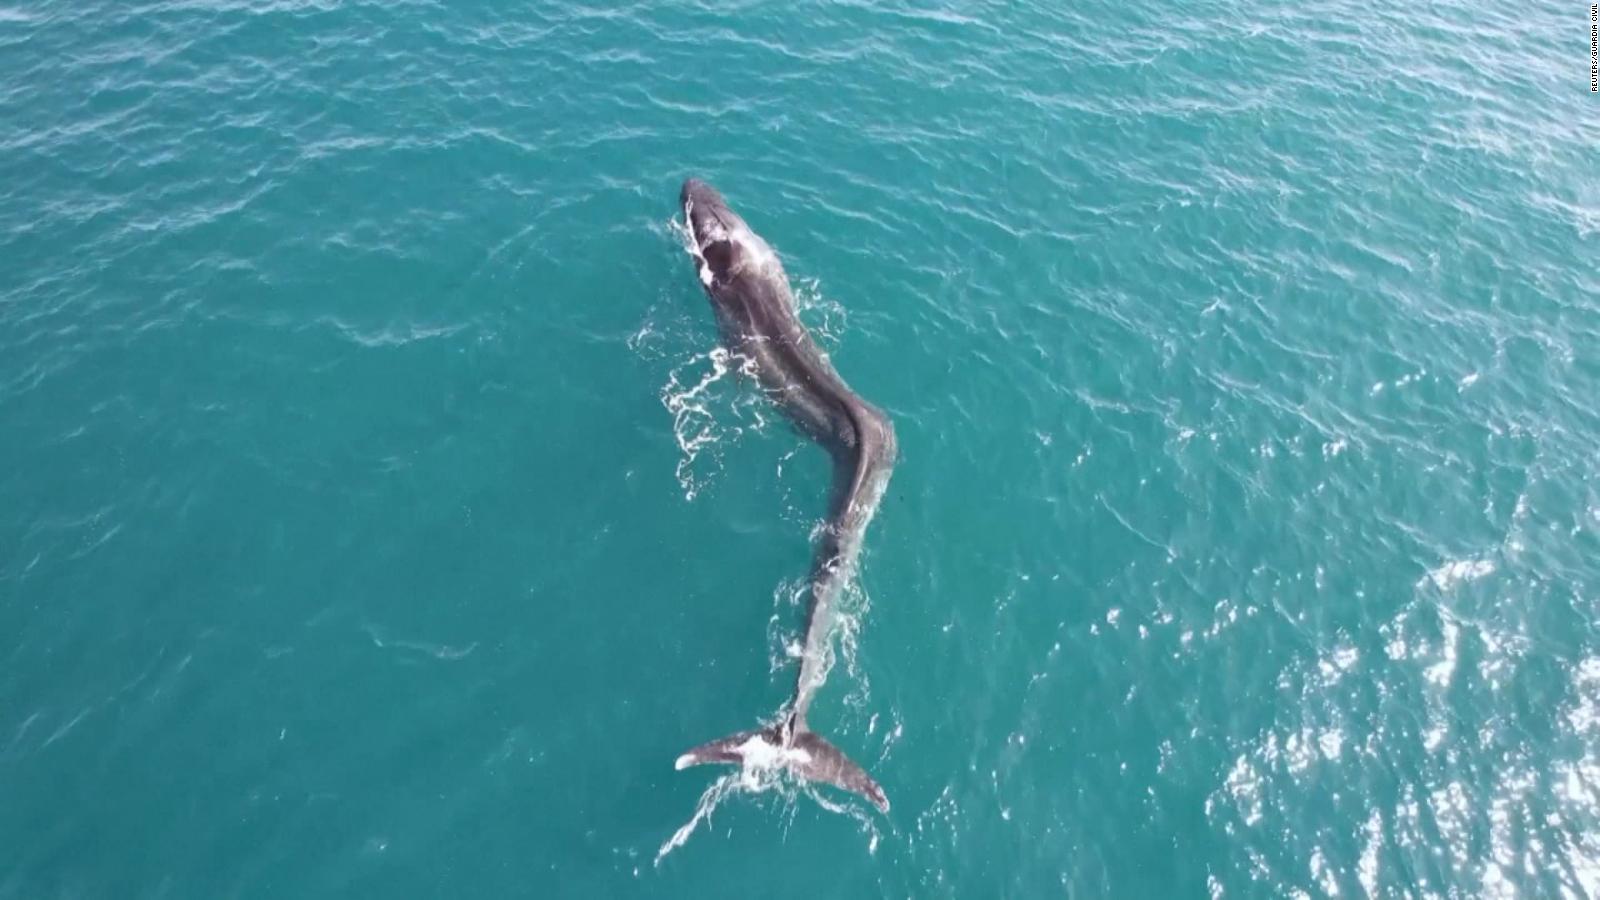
column 380, row 518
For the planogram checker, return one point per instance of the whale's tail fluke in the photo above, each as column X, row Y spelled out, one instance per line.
column 798, row 750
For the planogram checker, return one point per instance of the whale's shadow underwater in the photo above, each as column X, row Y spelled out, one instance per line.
column 755, row 313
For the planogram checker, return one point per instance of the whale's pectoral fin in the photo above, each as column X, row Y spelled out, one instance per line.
column 826, row 763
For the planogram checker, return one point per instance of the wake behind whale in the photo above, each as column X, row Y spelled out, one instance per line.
column 754, row 306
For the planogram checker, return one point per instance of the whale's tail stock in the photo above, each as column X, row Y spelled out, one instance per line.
column 795, row 748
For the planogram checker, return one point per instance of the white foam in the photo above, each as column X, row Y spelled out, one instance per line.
column 1340, row 661
column 1457, row 571
column 1396, row 648
column 1584, row 716
column 1323, row 874
column 1298, row 752
column 695, row 424
column 1441, row 672
column 1244, row 783
column 1367, row 868
column 1433, row 738
column 702, row 811
column 1331, row 743
column 761, row 754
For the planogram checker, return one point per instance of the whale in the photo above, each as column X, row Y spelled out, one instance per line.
column 755, row 311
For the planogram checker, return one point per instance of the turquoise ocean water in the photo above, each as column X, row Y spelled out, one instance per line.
column 378, row 519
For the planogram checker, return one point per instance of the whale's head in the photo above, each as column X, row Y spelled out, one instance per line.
column 724, row 247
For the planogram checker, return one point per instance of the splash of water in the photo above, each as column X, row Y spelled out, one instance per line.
column 709, row 800
column 695, row 423
column 823, row 316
